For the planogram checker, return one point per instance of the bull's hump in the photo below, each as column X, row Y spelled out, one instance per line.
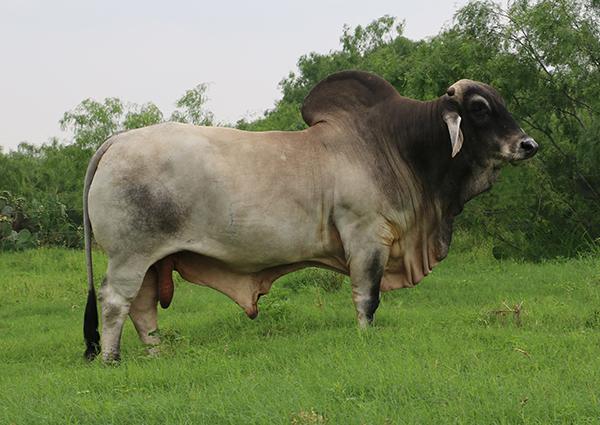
column 345, row 93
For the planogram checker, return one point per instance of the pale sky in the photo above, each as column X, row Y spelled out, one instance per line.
column 54, row 54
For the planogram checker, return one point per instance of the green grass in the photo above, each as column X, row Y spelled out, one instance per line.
column 437, row 354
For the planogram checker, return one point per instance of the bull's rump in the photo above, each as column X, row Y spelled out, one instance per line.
column 244, row 198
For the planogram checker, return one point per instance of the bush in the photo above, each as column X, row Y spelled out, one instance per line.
column 26, row 224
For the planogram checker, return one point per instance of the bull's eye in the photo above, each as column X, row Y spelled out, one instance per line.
column 479, row 110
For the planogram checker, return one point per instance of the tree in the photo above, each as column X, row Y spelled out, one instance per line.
column 141, row 116
column 191, row 107
column 93, row 122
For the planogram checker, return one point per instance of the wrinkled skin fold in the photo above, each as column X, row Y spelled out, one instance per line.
column 369, row 189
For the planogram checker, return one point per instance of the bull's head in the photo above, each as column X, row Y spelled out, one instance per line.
column 477, row 113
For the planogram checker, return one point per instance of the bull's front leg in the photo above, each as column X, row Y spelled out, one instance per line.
column 366, row 271
column 366, row 240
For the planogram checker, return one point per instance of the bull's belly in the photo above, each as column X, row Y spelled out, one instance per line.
column 245, row 288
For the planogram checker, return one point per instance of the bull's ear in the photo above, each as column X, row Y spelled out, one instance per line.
column 452, row 120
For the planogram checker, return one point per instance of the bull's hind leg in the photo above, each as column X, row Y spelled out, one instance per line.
column 121, row 286
column 143, row 309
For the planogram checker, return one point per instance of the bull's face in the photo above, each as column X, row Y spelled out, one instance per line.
column 479, row 112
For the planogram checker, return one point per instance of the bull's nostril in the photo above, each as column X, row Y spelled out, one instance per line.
column 529, row 146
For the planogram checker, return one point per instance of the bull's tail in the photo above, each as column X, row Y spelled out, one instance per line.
column 90, row 317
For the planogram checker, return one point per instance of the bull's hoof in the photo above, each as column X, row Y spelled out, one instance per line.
column 111, row 359
column 91, row 351
column 365, row 322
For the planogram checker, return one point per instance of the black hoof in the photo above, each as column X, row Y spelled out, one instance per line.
column 91, row 351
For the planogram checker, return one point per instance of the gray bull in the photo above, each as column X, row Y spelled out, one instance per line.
column 369, row 189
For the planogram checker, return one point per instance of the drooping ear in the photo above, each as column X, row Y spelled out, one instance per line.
column 452, row 120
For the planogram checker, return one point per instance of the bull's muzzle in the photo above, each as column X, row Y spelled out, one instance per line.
column 528, row 147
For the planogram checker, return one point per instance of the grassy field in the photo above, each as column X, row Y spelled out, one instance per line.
column 440, row 353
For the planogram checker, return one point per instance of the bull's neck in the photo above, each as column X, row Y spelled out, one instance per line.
column 423, row 141
column 419, row 128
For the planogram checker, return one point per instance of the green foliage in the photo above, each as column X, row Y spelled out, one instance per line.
column 51, row 173
column 142, row 116
column 93, row 122
column 544, row 58
column 13, row 240
column 191, row 107
column 13, row 219
column 27, row 224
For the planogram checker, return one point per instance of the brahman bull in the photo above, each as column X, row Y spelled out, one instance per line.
column 369, row 189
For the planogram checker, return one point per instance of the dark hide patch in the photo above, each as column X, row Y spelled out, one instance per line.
column 374, row 273
column 154, row 208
